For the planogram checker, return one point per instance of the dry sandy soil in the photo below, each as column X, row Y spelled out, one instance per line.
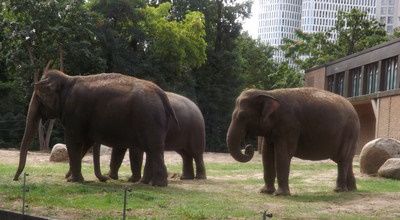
column 11, row 156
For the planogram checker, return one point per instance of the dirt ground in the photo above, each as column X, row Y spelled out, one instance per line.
column 11, row 156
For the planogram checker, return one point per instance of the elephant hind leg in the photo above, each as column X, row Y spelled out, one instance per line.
column 341, row 181
column 200, row 168
column 136, row 160
column 117, row 156
column 351, row 180
column 96, row 162
column 187, row 167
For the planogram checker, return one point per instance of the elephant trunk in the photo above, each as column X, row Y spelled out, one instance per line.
column 233, row 139
column 32, row 123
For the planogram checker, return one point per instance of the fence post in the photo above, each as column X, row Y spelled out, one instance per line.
column 24, row 190
column 125, row 200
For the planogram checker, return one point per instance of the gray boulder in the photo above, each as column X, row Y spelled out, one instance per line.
column 59, row 153
column 376, row 152
column 104, row 150
column 390, row 169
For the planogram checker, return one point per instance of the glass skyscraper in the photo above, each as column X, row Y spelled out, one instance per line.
column 278, row 19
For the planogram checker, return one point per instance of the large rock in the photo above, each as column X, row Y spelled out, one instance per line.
column 104, row 150
column 390, row 169
column 59, row 153
column 376, row 152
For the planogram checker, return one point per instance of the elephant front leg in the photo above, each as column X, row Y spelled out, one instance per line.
column 75, row 161
column 136, row 160
column 268, row 159
column 282, row 165
column 84, row 150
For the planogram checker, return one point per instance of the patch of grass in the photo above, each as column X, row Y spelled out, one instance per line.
column 231, row 192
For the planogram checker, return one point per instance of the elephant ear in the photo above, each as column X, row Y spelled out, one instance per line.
column 47, row 93
column 269, row 105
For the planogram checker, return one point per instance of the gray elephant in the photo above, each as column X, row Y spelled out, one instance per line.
column 111, row 108
column 306, row 123
column 187, row 139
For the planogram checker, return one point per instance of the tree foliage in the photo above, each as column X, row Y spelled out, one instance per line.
column 192, row 47
column 355, row 32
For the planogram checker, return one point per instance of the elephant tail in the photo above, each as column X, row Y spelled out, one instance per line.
column 169, row 111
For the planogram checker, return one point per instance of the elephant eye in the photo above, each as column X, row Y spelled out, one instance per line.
column 241, row 115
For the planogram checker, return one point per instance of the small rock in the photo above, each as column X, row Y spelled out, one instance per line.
column 376, row 152
column 390, row 169
column 59, row 153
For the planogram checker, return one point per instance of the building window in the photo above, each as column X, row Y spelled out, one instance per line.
column 389, row 73
column 331, row 83
column 383, row 10
column 340, row 83
column 390, row 10
column 355, row 81
column 390, row 20
column 371, row 72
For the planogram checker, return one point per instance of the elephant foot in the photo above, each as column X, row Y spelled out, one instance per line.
column 352, row 188
column 68, row 174
column 201, row 176
column 351, row 185
column 102, row 178
column 282, row 192
column 113, row 175
column 145, row 181
column 268, row 190
column 341, row 189
column 187, row 177
column 160, row 182
column 134, row 178
column 78, row 179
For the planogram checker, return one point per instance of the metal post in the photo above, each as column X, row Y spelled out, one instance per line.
column 24, row 190
column 125, row 195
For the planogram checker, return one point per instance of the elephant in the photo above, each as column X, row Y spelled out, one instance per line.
column 109, row 108
column 187, row 139
column 307, row 123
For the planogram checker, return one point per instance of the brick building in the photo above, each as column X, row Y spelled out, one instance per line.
column 370, row 80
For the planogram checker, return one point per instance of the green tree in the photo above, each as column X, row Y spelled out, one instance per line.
column 309, row 49
column 173, row 47
column 34, row 32
column 218, row 82
column 355, row 33
column 258, row 69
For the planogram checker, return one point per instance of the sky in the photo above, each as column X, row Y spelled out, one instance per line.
column 250, row 24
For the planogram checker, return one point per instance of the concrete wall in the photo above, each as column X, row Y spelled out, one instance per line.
column 315, row 78
column 389, row 117
column 367, row 124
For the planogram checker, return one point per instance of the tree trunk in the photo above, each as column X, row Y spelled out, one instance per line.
column 218, row 37
column 45, row 134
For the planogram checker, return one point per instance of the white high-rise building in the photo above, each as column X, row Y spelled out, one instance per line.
column 388, row 13
column 278, row 19
column 320, row 15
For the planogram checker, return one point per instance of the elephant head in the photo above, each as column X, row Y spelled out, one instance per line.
column 251, row 116
column 45, row 104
